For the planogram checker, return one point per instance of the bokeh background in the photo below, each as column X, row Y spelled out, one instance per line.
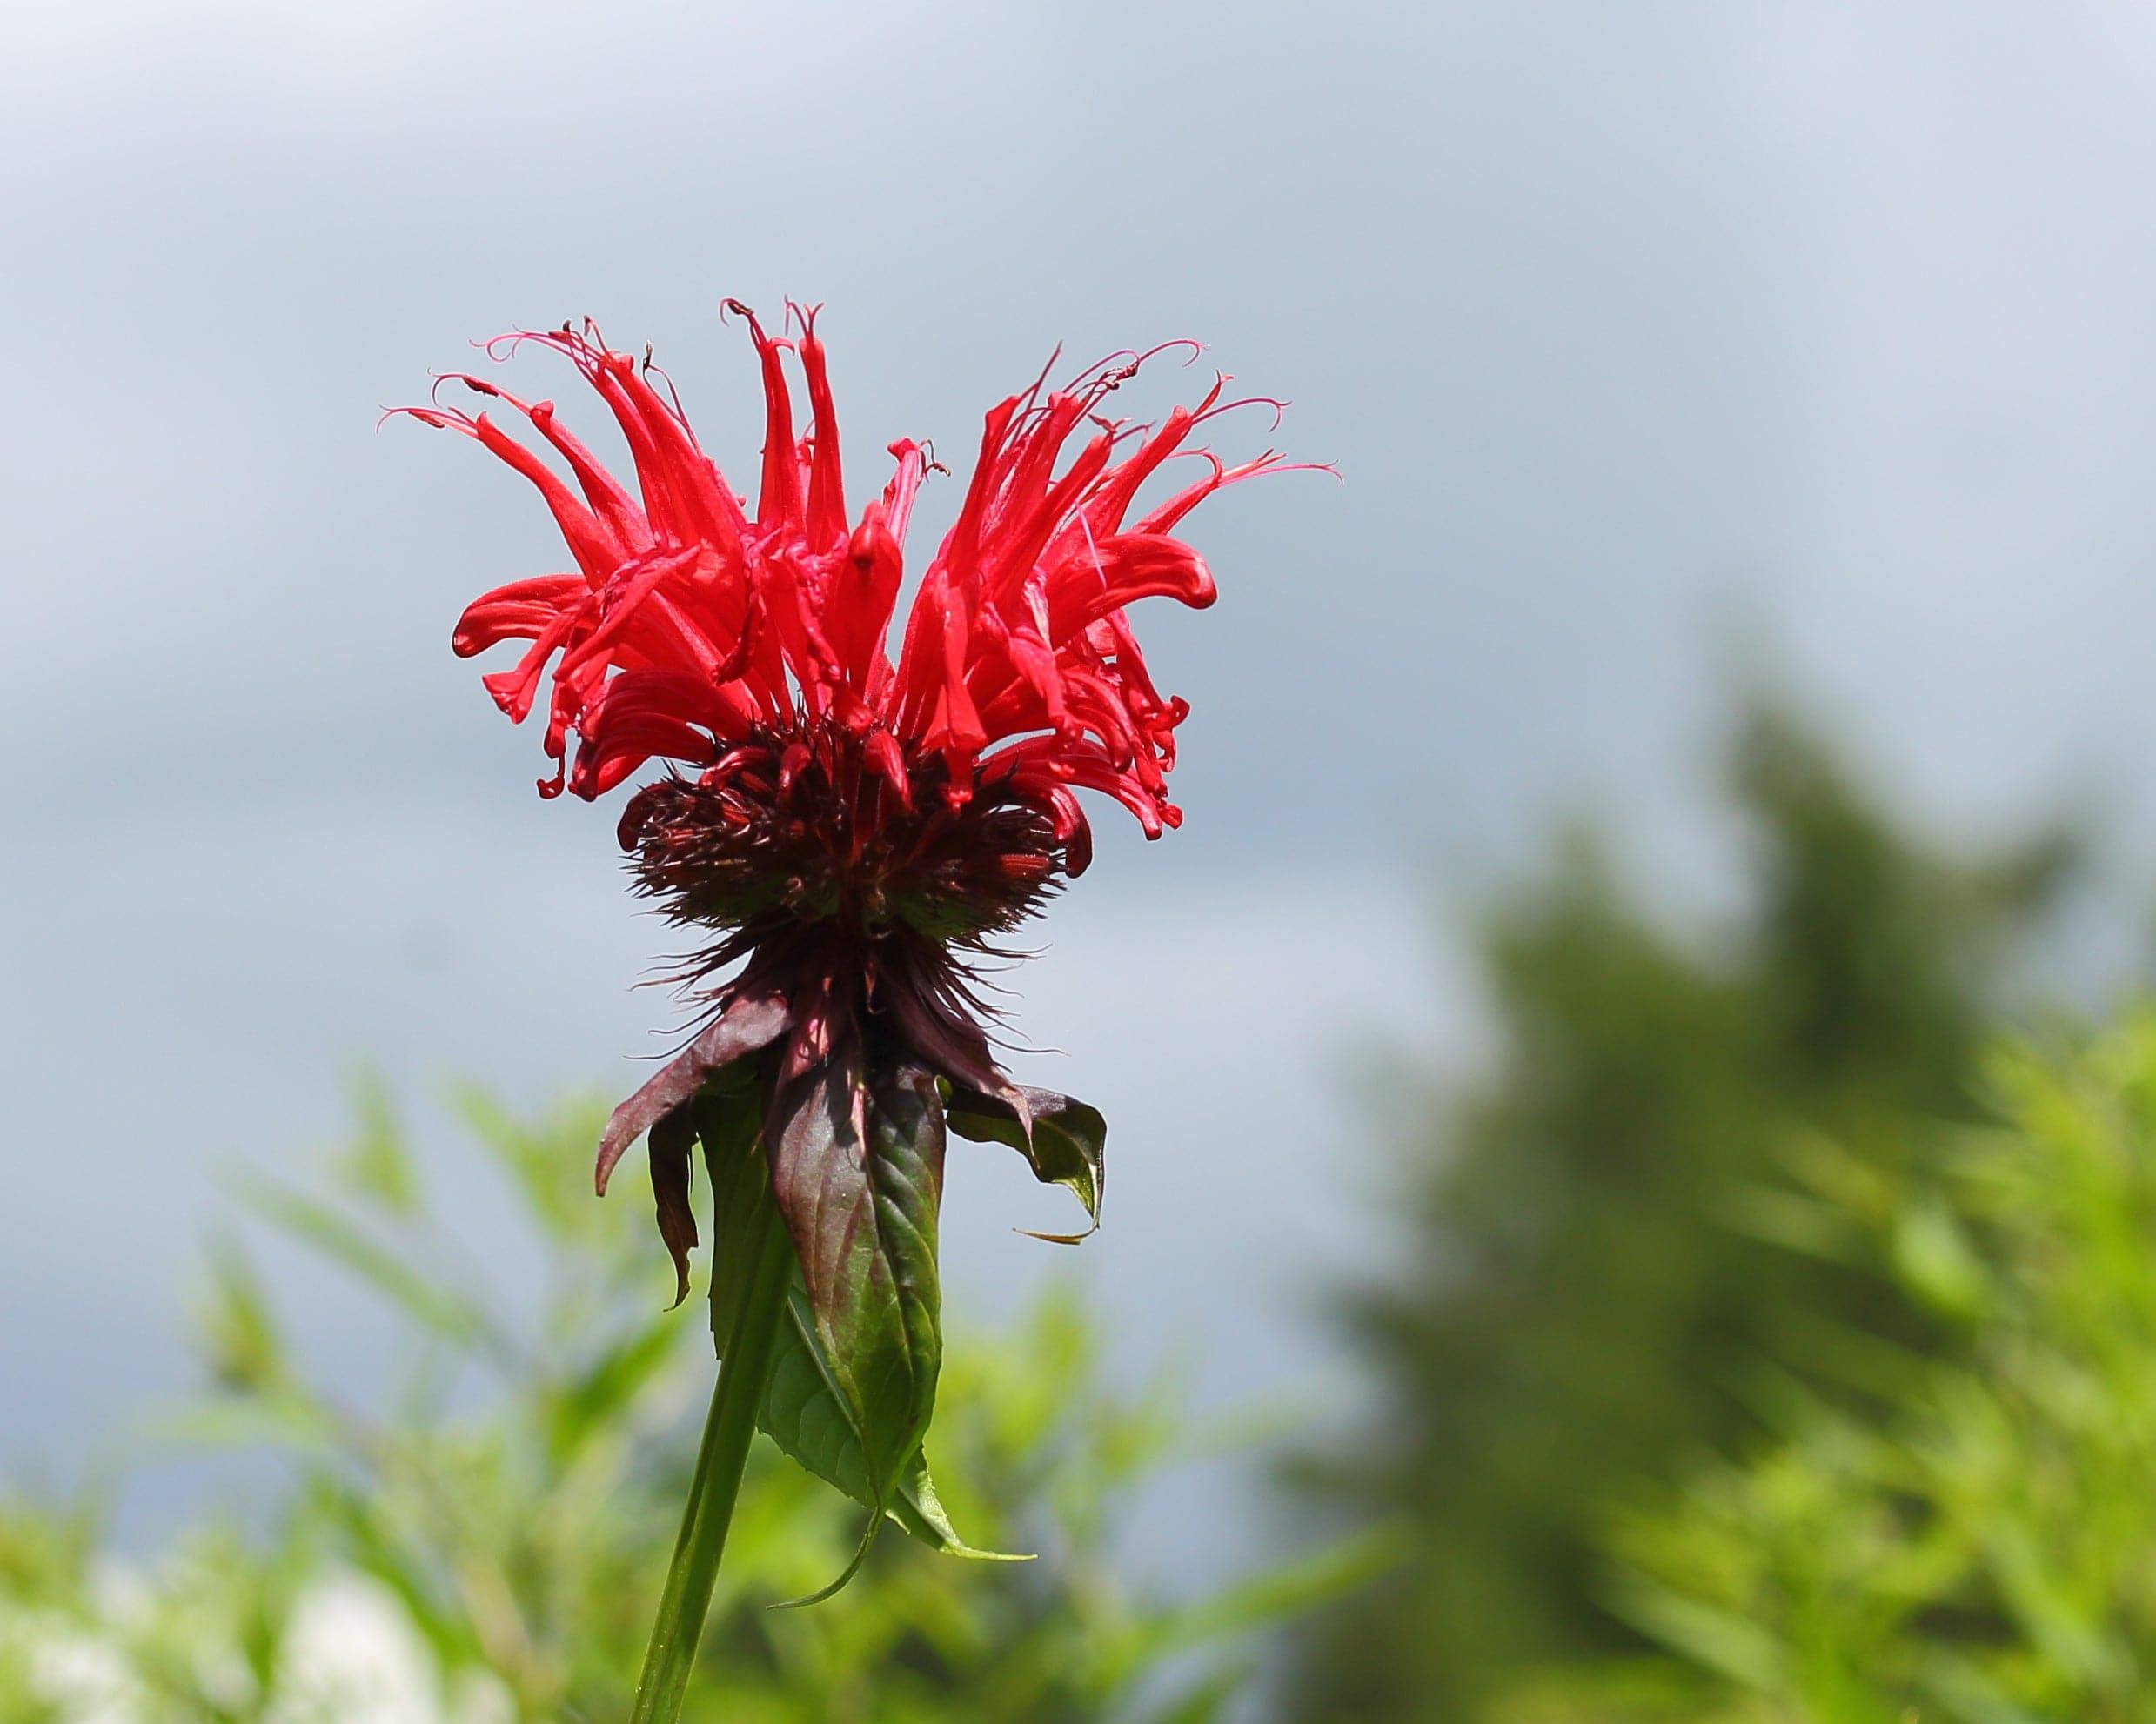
column 1667, row 352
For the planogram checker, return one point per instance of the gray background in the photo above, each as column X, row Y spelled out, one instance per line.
column 1633, row 328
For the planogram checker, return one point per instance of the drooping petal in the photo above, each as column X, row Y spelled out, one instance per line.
column 1120, row 570
column 520, row 611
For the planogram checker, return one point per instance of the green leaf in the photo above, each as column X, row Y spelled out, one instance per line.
column 240, row 1339
column 916, row 1507
column 804, row 1415
column 590, row 1402
column 803, row 1411
column 1323, row 1576
column 532, row 1152
column 456, row 1317
column 1210, row 1699
column 1065, row 1145
column 729, row 1114
column 859, row 1174
column 377, row 1163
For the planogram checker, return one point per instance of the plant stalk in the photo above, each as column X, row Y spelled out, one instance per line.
column 728, row 1429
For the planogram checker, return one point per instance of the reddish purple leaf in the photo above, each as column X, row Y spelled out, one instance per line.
column 673, row 1140
column 749, row 1022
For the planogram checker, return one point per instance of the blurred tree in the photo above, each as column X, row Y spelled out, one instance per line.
column 1579, row 1317
column 484, row 1546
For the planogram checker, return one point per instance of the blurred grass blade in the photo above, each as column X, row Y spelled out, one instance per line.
column 447, row 1313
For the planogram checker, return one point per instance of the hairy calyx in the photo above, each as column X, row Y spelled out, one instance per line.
column 822, row 825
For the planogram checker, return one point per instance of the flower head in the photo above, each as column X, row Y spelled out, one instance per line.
column 690, row 626
column 850, row 821
column 825, row 793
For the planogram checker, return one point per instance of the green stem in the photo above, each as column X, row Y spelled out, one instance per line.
column 742, row 1375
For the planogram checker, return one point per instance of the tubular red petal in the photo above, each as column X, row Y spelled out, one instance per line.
column 866, row 590
column 898, row 495
column 714, row 515
column 601, row 491
column 1166, row 517
column 514, row 690
column 615, row 746
column 596, row 550
column 1120, row 571
column 520, row 611
column 825, row 525
column 778, row 500
column 620, row 605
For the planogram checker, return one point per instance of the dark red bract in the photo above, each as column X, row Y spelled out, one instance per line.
column 852, row 823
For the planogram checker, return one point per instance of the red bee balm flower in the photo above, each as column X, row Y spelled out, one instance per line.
column 851, row 829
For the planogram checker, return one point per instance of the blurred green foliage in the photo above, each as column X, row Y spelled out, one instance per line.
column 1584, row 1312
column 489, row 1549
column 1777, row 1350
column 1974, row 1542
